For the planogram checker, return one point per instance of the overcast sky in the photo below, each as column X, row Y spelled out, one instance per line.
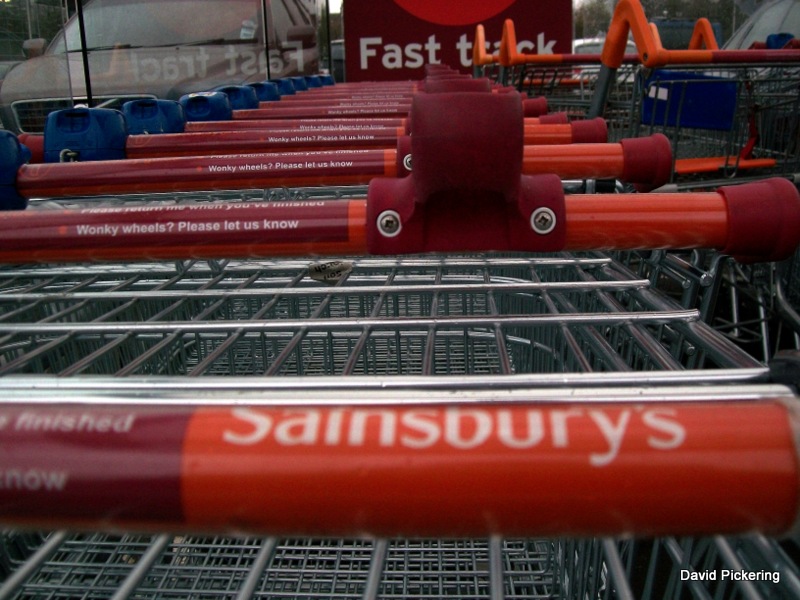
column 335, row 5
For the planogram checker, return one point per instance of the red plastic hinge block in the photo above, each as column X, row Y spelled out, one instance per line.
column 466, row 191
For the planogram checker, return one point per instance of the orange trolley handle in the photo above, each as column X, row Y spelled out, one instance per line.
column 466, row 191
column 755, row 222
column 523, row 468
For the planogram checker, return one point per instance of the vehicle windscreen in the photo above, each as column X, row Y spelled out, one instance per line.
column 779, row 18
column 120, row 23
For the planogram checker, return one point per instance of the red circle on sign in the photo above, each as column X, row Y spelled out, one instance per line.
column 454, row 12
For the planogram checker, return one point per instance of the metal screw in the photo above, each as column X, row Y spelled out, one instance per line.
column 389, row 223
column 543, row 220
column 407, row 162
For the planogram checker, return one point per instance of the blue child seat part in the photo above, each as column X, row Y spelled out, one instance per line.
column 266, row 91
column 241, row 97
column 285, row 86
column 84, row 134
column 12, row 156
column 685, row 99
column 206, row 106
column 152, row 115
column 313, row 81
column 777, row 41
column 300, row 83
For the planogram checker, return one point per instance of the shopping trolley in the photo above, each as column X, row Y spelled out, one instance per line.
column 424, row 418
column 419, row 327
column 567, row 81
column 727, row 113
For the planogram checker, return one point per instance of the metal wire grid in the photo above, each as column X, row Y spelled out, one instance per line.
column 88, row 566
column 173, row 567
column 423, row 316
column 571, row 88
column 756, row 306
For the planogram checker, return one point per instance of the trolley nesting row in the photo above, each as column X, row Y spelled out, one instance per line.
column 409, row 398
column 727, row 113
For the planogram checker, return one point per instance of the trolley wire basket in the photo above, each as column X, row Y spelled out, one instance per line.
column 750, row 127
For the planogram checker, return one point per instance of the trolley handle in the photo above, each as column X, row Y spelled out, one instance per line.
column 629, row 17
column 509, row 55
column 489, row 467
column 488, row 135
column 755, row 222
column 480, row 57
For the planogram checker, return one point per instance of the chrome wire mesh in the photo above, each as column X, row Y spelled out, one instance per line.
column 468, row 316
column 183, row 566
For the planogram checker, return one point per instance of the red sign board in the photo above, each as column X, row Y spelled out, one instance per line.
column 395, row 39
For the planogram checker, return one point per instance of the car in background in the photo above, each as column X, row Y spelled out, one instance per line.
column 161, row 49
column 779, row 16
column 595, row 46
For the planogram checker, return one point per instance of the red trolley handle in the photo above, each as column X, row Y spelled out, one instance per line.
column 243, row 141
column 754, row 221
column 638, row 160
column 418, row 469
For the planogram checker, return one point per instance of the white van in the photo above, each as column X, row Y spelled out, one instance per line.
column 159, row 48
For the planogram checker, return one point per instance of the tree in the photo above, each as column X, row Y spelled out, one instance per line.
column 591, row 18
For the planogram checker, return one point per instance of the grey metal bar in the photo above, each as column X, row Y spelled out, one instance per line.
column 139, row 572
column 45, row 551
column 748, row 590
column 496, row 571
column 257, row 569
column 376, row 565
column 616, row 570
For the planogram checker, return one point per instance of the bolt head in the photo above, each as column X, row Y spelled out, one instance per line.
column 389, row 223
column 543, row 220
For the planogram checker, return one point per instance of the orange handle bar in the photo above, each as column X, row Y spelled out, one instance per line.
column 629, row 18
column 754, row 219
column 642, row 160
column 480, row 57
column 487, row 468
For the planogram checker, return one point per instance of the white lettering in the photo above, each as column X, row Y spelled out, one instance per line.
column 418, row 422
column 432, row 46
column 366, row 52
column 612, row 433
column 456, row 430
column 155, row 70
column 461, row 428
column 74, row 422
column 534, row 429
column 558, row 422
column 414, row 54
column 464, row 47
column 659, row 420
column 297, row 49
column 544, row 47
column 171, row 69
column 392, row 57
column 333, row 430
column 301, row 429
column 358, row 426
column 33, row 480
column 261, row 425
